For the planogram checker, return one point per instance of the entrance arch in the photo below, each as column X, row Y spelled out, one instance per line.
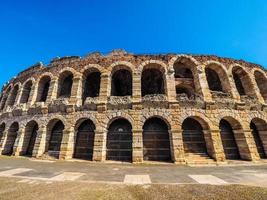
column 56, row 134
column 84, row 145
column 11, row 138
column 119, row 141
column 156, row 141
column 30, row 138
column 230, row 147
column 193, row 137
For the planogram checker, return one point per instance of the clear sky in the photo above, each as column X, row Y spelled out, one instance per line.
column 39, row 30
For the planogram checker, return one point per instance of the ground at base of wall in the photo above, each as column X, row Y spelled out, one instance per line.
column 19, row 189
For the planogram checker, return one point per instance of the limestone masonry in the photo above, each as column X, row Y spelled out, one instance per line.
column 137, row 108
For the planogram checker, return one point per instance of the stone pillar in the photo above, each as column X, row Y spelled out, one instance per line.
column 66, row 148
column 99, row 153
column 76, row 91
column 18, row 146
column 40, row 143
column 19, row 95
column 204, row 87
column 33, row 94
column 257, row 90
column 137, row 92
column 214, row 144
column 3, row 141
column 170, row 84
column 177, row 146
column 105, row 88
column 245, row 145
column 137, row 145
column 234, row 91
column 52, row 93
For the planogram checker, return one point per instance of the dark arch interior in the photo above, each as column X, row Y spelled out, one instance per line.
column 213, row 79
column 4, row 98
column 30, row 138
column 2, row 129
column 258, row 140
column 121, row 83
column 26, row 92
column 182, row 71
column 193, row 137
column 66, row 86
column 13, row 96
column 43, row 89
column 119, row 141
column 55, row 139
column 92, row 85
column 262, row 84
column 184, row 90
column 239, row 84
column 156, row 141
column 152, row 82
column 84, row 145
column 11, row 138
column 228, row 140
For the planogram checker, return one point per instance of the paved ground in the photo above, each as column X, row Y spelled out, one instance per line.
column 32, row 171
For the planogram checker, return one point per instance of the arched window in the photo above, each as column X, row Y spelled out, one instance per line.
column 13, row 96
column 84, row 145
column 152, row 82
column 56, row 134
column 230, row 147
column 11, row 138
column 26, row 92
column 5, row 98
column 184, row 90
column 65, row 85
column 30, row 138
column 214, row 81
column 193, row 138
column 91, row 83
column 43, row 89
column 182, row 71
column 156, row 141
column 262, row 84
column 121, row 83
column 119, row 141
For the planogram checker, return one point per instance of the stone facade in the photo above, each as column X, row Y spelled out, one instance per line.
column 39, row 95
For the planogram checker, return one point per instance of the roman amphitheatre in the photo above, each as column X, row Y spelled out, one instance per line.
column 137, row 108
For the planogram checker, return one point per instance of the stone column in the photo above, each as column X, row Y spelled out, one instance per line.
column 170, row 84
column 99, row 153
column 137, row 92
column 40, row 143
column 66, row 148
column 76, row 91
column 137, row 146
column 234, row 91
column 104, row 91
column 204, row 87
column 177, row 146
column 19, row 95
column 257, row 90
column 214, row 144
column 33, row 94
column 18, row 146
column 245, row 145
column 3, row 141
column 52, row 93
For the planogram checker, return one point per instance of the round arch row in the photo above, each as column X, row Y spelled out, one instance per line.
column 156, row 78
column 157, row 139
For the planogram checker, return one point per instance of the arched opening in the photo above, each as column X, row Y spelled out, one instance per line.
column 84, row 145
column 4, row 98
column 26, row 92
column 262, row 84
column 11, row 138
column 230, row 147
column 119, row 141
column 91, row 84
column 156, row 141
column 43, row 89
column 65, row 85
column 121, row 83
column 193, row 138
column 182, row 71
column 2, row 129
column 214, row 81
column 258, row 129
column 152, row 82
column 184, row 91
column 31, row 131
column 56, row 134
column 13, row 96
column 242, row 81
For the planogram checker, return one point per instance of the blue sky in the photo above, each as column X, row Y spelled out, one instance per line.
column 39, row 30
